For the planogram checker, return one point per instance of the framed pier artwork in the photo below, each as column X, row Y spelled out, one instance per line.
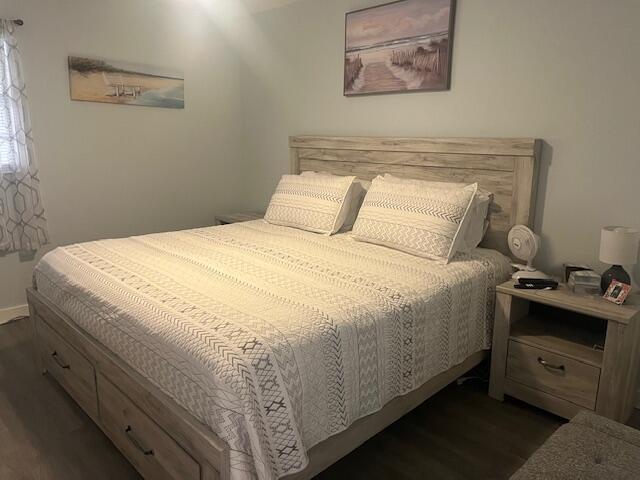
column 401, row 46
column 93, row 80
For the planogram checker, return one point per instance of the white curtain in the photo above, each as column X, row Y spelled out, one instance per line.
column 23, row 226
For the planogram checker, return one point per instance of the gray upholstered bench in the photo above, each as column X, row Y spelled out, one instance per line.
column 589, row 447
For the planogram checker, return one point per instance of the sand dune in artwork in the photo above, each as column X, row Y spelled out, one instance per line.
column 410, row 66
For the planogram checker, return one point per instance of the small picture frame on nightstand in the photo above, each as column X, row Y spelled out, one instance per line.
column 617, row 292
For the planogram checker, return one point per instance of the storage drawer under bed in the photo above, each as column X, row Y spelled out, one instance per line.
column 69, row 367
column 152, row 451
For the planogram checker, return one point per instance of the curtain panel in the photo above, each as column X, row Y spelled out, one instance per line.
column 23, row 226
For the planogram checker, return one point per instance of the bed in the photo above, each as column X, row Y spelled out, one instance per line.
column 254, row 350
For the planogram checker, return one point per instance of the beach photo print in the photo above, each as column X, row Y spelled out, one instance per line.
column 399, row 47
column 93, row 80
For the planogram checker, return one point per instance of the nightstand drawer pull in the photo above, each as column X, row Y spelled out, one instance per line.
column 551, row 366
column 136, row 442
column 59, row 361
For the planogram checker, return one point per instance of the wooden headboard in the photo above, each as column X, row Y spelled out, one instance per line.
column 507, row 167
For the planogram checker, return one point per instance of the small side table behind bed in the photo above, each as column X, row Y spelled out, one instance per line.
column 229, row 218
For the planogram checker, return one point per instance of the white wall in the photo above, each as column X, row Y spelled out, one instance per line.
column 113, row 170
column 564, row 71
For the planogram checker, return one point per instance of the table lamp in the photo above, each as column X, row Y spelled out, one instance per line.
column 618, row 246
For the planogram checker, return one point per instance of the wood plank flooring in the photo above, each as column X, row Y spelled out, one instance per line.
column 460, row 433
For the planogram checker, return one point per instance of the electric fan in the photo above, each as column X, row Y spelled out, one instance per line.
column 524, row 244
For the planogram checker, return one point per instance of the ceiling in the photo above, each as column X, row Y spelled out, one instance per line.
column 261, row 5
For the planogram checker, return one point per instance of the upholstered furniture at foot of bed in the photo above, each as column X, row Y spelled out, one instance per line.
column 590, row 447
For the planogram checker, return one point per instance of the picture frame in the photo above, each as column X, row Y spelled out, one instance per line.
column 98, row 80
column 411, row 51
column 617, row 292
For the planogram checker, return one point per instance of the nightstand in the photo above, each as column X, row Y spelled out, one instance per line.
column 227, row 219
column 565, row 352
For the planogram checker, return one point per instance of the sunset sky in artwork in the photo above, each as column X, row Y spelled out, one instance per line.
column 409, row 18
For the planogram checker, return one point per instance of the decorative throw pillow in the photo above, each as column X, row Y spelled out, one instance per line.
column 314, row 203
column 409, row 217
column 478, row 223
column 475, row 223
column 359, row 190
column 354, row 200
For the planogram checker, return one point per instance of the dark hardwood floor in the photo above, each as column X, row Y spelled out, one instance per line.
column 459, row 433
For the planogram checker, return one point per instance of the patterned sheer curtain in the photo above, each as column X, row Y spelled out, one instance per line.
column 23, row 226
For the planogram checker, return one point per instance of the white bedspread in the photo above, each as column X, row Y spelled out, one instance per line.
column 274, row 337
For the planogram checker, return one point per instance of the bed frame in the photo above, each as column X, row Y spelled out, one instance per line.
column 160, row 438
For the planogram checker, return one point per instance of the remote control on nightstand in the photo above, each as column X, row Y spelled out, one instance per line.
column 536, row 284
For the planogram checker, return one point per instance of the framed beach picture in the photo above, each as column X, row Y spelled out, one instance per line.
column 105, row 81
column 403, row 46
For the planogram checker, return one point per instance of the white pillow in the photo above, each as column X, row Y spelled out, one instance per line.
column 354, row 200
column 315, row 203
column 476, row 223
column 409, row 217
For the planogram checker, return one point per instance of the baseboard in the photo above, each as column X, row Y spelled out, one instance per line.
column 8, row 314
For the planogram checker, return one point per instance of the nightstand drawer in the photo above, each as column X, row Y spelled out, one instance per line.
column 557, row 375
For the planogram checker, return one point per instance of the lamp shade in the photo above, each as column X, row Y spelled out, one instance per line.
column 619, row 245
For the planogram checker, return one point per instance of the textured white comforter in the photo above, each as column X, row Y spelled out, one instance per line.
column 274, row 337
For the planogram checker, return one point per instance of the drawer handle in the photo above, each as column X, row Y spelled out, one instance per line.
column 136, row 442
column 59, row 361
column 551, row 366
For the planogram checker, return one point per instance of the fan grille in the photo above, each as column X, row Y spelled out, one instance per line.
column 523, row 243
